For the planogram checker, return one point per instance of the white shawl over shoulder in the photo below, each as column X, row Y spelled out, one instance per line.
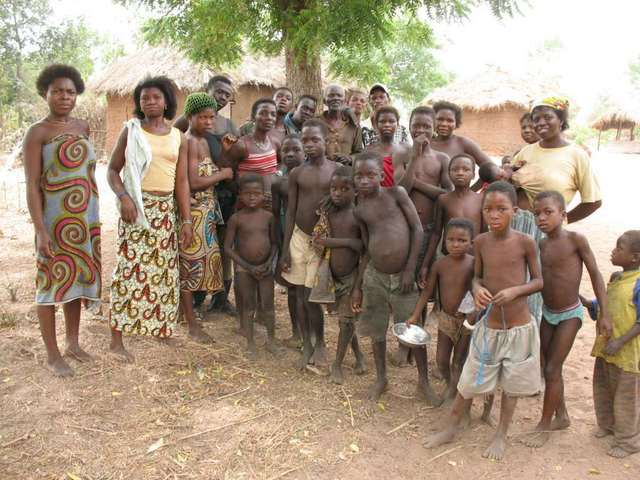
column 137, row 160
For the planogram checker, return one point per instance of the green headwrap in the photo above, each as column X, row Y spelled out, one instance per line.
column 196, row 102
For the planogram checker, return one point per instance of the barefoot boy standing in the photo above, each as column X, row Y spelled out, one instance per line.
column 252, row 244
column 505, row 346
column 616, row 374
column 392, row 234
column 562, row 254
column 345, row 246
column 308, row 184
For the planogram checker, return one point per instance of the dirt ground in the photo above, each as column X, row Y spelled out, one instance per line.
column 186, row 411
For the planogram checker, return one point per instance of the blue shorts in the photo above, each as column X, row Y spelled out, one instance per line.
column 554, row 317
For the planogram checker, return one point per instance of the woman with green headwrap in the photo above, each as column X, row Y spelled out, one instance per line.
column 200, row 262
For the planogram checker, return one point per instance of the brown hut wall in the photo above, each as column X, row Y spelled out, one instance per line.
column 496, row 131
column 244, row 98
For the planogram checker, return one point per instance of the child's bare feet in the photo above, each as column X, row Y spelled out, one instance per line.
column 377, row 389
column 400, row 358
column 121, row 353
column 197, row 334
column 360, row 368
column 601, row 433
column 304, row 360
column 538, row 438
column 435, row 373
column 319, row 357
column 560, row 422
column 60, row 368
column 78, row 353
column 440, row 438
column 495, row 451
column 337, row 376
column 618, row 452
column 426, row 393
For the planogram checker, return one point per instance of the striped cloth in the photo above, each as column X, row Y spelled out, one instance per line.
column 265, row 163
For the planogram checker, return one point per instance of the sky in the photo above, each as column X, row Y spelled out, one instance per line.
column 598, row 38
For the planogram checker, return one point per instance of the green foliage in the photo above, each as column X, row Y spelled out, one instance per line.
column 634, row 72
column 404, row 61
column 219, row 32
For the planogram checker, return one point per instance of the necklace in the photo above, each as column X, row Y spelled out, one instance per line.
column 262, row 145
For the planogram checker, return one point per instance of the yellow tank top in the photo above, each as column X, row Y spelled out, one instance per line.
column 161, row 176
column 623, row 309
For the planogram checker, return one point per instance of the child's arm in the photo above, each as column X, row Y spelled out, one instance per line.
column 481, row 294
column 356, row 291
column 276, row 205
column 229, row 244
column 433, row 191
column 425, row 295
column 532, row 286
column 603, row 325
column 415, row 226
column 354, row 244
column 434, row 239
column 290, row 218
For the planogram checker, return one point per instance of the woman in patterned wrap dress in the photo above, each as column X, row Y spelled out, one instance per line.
column 152, row 155
column 63, row 203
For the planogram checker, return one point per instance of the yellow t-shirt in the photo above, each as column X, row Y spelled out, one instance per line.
column 624, row 311
column 565, row 169
column 161, row 175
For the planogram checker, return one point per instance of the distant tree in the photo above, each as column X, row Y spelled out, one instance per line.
column 220, row 32
column 634, row 72
column 405, row 62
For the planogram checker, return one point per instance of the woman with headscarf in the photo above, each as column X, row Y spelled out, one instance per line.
column 152, row 157
column 62, row 196
column 553, row 163
column 200, row 262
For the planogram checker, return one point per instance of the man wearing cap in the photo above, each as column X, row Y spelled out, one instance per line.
column 345, row 136
column 379, row 97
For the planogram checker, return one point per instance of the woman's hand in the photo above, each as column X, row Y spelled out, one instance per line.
column 128, row 212
column 186, row 235
column 228, row 141
column 227, row 173
column 44, row 245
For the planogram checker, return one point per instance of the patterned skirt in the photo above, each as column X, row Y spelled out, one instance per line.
column 70, row 211
column 144, row 288
column 201, row 263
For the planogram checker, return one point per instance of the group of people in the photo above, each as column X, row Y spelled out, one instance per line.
column 363, row 216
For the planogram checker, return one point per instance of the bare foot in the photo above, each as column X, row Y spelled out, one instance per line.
column 377, row 389
column 440, row 438
column 618, row 452
column 121, row 353
column 197, row 334
column 400, row 358
column 537, row 438
column 359, row 368
column 304, row 360
column 60, row 368
column 337, row 376
column 435, row 373
column 252, row 352
column 495, row 451
column 319, row 357
column 560, row 423
column 601, row 433
column 78, row 353
column 426, row 393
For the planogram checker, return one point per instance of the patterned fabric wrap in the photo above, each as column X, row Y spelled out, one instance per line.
column 71, row 217
column 323, row 290
column 200, row 263
column 557, row 103
column 144, row 288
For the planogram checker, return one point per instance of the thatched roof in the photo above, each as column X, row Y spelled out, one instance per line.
column 493, row 89
column 121, row 77
column 617, row 116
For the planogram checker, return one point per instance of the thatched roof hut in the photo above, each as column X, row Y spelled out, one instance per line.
column 617, row 117
column 492, row 103
column 254, row 78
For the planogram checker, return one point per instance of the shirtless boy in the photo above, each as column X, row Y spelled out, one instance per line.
column 292, row 155
column 427, row 175
column 452, row 276
column 308, row 184
column 562, row 254
column 391, row 232
column 252, row 245
column 505, row 346
column 345, row 244
column 394, row 156
column 461, row 203
column 448, row 118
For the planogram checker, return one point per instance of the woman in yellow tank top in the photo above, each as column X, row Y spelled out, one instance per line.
column 145, row 285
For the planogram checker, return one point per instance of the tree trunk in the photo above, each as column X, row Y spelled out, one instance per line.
column 304, row 73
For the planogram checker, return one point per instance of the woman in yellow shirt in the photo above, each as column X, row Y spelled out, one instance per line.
column 152, row 157
column 555, row 164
